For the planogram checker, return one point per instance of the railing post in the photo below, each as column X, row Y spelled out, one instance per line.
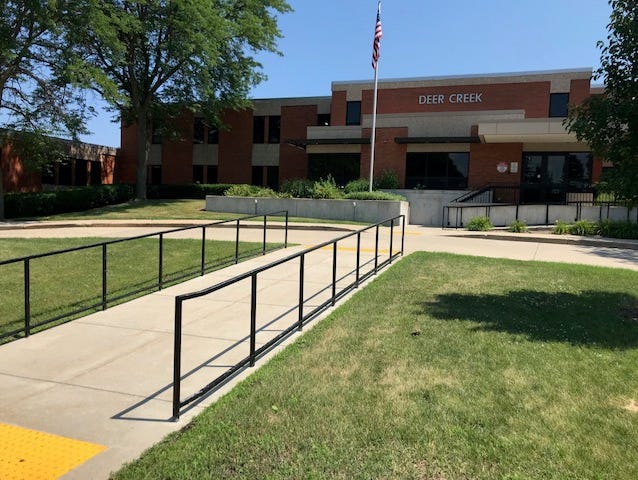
column 203, row 262
column 104, row 277
column 286, row 232
column 547, row 214
column 403, row 220
column 376, row 250
column 160, row 280
column 391, row 237
column 263, row 249
column 356, row 281
column 27, row 298
column 253, row 318
column 177, row 358
column 302, row 261
column 334, row 273
column 237, row 243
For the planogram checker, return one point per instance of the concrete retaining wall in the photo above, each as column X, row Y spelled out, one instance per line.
column 426, row 206
column 369, row 211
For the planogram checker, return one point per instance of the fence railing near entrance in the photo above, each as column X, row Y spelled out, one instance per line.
column 303, row 316
column 162, row 279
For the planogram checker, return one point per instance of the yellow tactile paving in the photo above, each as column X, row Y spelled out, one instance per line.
column 31, row 455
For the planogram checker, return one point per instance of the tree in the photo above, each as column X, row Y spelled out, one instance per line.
column 33, row 105
column 147, row 57
column 609, row 122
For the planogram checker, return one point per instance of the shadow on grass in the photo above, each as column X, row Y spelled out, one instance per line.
column 595, row 318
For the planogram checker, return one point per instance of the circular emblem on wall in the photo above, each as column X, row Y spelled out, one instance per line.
column 501, row 167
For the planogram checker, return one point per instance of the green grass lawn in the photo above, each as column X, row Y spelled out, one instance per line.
column 164, row 210
column 71, row 281
column 445, row 367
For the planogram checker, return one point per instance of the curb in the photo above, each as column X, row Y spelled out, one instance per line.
column 587, row 242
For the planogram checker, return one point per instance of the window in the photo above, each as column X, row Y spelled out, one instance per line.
column 259, row 128
column 258, row 176
column 65, row 172
column 213, row 136
column 211, row 174
column 156, row 135
column 558, row 103
column 96, row 173
column 343, row 167
column 198, row 173
column 437, row 170
column 353, row 113
column 272, row 177
column 198, row 130
column 274, row 128
column 154, row 174
column 323, row 119
column 81, row 172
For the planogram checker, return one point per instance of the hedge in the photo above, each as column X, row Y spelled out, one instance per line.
column 193, row 191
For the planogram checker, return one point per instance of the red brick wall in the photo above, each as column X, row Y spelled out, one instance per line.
column 126, row 165
column 388, row 154
column 596, row 170
column 484, row 159
column 533, row 97
column 235, row 147
column 579, row 91
column 293, row 161
column 15, row 177
column 338, row 109
column 177, row 154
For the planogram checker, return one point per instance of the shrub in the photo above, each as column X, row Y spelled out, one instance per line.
column 245, row 190
column 480, row 224
column 373, row 196
column 517, row 226
column 194, row 190
column 618, row 229
column 584, row 227
column 361, row 185
column 298, row 188
column 388, row 179
column 326, row 189
column 68, row 200
column 560, row 228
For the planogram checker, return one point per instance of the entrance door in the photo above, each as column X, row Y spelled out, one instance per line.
column 543, row 178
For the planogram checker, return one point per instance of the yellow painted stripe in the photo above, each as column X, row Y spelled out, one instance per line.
column 31, row 455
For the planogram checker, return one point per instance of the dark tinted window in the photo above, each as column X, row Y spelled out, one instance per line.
column 156, row 136
column 323, row 119
column 436, row 170
column 155, row 174
column 353, row 113
column 272, row 177
column 198, row 173
column 81, row 172
column 258, row 129
column 343, row 167
column 274, row 128
column 198, row 130
column 558, row 103
column 65, row 172
column 258, row 176
column 211, row 174
column 213, row 136
column 96, row 173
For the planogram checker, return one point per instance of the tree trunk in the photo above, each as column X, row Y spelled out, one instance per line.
column 142, row 156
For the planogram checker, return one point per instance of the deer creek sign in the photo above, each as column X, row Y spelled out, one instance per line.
column 438, row 99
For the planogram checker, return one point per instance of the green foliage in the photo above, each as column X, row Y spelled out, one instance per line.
column 245, row 190
column 326, row 188
column 148, row 58
column 195, row 190
column 479, row 224
column 298, row 188
column 373, row 196
column 560, row 228
column 584, row 227
column 609, row 122
column 387, row 179
column 361, row 185
column 518, row 226
column 19, row 205
column 616, row 229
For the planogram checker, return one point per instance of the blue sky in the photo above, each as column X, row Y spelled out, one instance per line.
column 330, row 40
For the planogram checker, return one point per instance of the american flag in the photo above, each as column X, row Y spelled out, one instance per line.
column 378, row 33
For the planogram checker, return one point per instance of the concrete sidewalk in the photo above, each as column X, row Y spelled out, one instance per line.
column 106, row 378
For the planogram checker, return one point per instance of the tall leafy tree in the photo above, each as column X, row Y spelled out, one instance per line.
column 148, row 56
column 609, row 122
column 32, row 104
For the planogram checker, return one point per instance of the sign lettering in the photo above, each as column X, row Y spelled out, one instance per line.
column 438, row 99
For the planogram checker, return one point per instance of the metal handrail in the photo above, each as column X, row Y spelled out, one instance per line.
column 26, row 260
column 303, row 317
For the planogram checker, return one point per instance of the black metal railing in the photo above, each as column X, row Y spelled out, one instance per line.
column 163, row 277
column 304, row 316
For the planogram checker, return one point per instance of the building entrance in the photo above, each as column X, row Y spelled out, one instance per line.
column 549, row 177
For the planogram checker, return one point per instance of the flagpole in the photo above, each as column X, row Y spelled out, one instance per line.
column 375, row 64
column 374, row 126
